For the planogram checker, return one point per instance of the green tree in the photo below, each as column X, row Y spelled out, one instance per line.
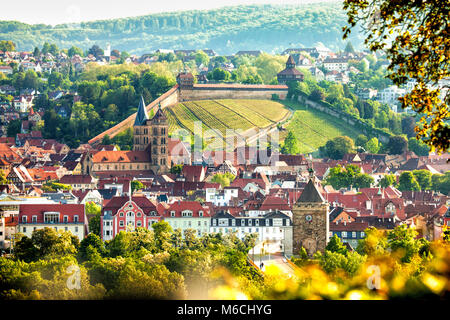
column 75, row 50
column 290, row 145
column 136, row 185
column 337, row 147
column 201, row 58
column 335, row 245
column 163, row 232
column 93, row 212
column 396, row 145
column 441, row 182
column 7, row 45
column 403, row 239
column 418, row 147
column 13, row 128
column 407, row 182
column 224, row 179
column 414, row 36
column 373, row 145
column 46, row 243
column 387, row 180
column 423, row 177
column 176, row 169
column 96, row 51
column 93, row 241
column 361, row 140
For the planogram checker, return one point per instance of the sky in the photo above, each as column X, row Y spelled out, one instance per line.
column 72, row 11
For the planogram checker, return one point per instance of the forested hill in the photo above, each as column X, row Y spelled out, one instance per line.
column 270, row 28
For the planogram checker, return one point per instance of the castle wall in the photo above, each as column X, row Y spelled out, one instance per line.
column 198, row 93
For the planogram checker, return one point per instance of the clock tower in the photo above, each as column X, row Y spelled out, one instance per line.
column 310, row 219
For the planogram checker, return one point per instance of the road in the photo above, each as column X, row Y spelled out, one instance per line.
column 276, row 260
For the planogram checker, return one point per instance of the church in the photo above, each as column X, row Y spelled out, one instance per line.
column 150, row 148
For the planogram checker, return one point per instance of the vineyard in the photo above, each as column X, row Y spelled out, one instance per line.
column 311, row 127
column 218, row 116
column 314, row 128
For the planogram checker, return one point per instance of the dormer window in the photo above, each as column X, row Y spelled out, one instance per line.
column 172, row 213
column 200, row 213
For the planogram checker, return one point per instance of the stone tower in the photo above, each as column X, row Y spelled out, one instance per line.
column 310, row 220
column 151, row 135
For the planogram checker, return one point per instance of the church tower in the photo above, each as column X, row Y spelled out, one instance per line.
column 140, row 128
column 310, row 219
column 151, row 135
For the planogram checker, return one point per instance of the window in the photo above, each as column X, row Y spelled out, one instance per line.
column 76, row 229
column 256, row 222
column 214, row 222
column 139, row 223
column 34, row 219
column 65, row 228
column 172, row 213
column 121, row 223
column 121, row 214
column 200, row 213
column 75, row 218
column 51, row 217
column 233, row 222
column 199, row 223
column 24, row 219
column 363, row 234
column 344, row 234
column 267, row 222
column 65, row 219
column 139, row 214
column 24, row 229
column 353, row 234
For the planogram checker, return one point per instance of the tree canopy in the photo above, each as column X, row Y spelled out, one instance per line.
column 415, row 37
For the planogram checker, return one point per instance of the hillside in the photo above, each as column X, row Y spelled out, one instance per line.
column 270, row 28
column 311, row 127
column 314, row 128
column 218, row 116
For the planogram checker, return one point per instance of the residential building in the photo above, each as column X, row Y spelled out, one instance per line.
column 61, row 217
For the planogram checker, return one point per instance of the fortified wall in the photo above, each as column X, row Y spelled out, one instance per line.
column 231, row 91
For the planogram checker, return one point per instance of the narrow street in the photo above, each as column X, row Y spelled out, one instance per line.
column 273, row 259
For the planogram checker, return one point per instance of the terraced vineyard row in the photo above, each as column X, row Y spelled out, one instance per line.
column 221, row 115
column 253, row 117
column 270, row 110
column 231, row 119
column 211, row 120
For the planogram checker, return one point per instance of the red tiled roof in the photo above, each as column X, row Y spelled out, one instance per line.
column 76, row 179
column 180, row 206
column 38, row 210
column 121, row 157
column 115, row 203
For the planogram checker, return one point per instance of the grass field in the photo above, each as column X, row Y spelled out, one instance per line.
column 311, row 127
column 314, row 128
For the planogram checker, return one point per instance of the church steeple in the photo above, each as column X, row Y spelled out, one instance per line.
column 141, row 114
